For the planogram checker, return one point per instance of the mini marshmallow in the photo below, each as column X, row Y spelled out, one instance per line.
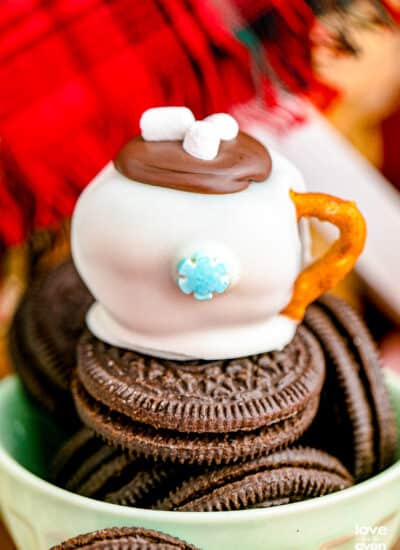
column 165, row 123
column 224, row 124
column 202, row 141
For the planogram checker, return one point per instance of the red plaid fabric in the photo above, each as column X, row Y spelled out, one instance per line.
column 76, row 75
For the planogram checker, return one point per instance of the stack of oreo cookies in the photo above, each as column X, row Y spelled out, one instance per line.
column 204, row 435
column 199, row 412
column 44, row 335
column 355, row 420
column 94, row 469
column 230, row 434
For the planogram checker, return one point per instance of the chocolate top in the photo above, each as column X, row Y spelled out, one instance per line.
column 166, row 164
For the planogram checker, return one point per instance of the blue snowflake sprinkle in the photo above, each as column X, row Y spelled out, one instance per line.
column 201, row 276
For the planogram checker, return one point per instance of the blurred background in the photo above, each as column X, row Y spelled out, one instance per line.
column 318, row 80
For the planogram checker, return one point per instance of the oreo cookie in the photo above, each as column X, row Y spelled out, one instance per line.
column 354, row 402
column 82, row 454
column 282, row 477
column 91, row 468
column 44, row 335
column 206, row 412
column 124, row 538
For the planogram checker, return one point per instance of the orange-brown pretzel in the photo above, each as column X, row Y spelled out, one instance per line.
column 335, row 264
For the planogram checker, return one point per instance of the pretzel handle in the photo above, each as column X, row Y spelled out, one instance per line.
column 335, row 264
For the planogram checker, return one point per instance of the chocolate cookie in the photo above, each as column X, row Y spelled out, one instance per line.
column 38, row 387
column 189, row 448
column 281, row 477
column 354, row 401
column 285, row 476
column 82, row 454
column 199, row 411
column 91, row 468
column 124, row 538
column 45, row 332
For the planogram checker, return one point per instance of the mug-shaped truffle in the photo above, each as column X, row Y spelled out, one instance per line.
column 192, row 258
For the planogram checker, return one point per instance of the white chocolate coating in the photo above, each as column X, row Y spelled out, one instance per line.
column 125, row 236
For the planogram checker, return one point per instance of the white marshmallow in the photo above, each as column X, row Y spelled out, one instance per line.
column 202, row 141
column 225, row 125
column 165, row 123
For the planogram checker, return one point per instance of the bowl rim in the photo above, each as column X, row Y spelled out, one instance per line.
column 15, row 470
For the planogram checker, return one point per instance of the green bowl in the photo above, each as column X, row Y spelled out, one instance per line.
column 39, row 515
